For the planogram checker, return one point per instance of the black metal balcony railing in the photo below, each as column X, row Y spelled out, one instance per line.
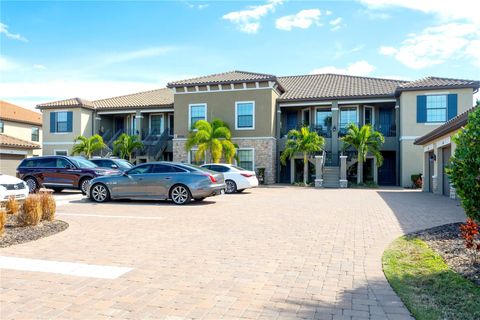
column 388, row 130
column 343, row 128
column 324, row 131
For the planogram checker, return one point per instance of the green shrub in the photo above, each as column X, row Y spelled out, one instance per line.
column 464, row 171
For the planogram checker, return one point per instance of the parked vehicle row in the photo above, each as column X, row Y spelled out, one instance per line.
column 104, row 179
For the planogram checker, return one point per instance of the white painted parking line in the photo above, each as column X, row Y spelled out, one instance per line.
column 67, row 268
column 108, row 216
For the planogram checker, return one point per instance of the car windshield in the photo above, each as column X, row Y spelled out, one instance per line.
column 83, row 163
column 124, row 164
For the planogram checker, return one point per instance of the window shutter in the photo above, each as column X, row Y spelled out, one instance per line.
column 69, row 121
column 421, row 109
column 452, row 106
column 53, row 116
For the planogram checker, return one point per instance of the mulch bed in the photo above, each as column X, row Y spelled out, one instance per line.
column 15, row 234
column 447, row 242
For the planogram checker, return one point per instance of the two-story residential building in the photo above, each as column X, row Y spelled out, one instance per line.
column 261, row 108
column 20, row 135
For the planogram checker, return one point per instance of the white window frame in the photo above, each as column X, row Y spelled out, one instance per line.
column 63, row 132
column 195, row 150
column 55, row 151
column 340, row 114
column 253, row 156
column 426, row 108
column 190, row 112
column 162, row 126
column 373, row 114
column 236, row 115
column 322, row 109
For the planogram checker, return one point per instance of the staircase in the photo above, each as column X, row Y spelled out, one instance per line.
column 331, row 177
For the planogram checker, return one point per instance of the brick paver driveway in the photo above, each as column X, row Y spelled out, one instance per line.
column 275, row 253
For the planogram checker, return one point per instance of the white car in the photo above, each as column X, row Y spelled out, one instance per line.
column 12, row 187
column 236, row 179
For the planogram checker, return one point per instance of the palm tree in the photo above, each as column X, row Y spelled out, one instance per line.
column 88, row 146
column 365, row 140
column 213, row 139
column 125, row 145
column 302, row 141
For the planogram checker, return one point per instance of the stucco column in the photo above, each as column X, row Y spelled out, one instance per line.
column 375, row 171
column 425, row 178
column 278, row 117
column 343, row 172
column 292, row 170
column 138, row 124
column 438, row 169
column 397, row 138
column 318, row 172
column 97, row 122
column 335, row 124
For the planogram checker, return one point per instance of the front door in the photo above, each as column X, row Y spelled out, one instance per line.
column 134, row 183
column 386, row 173
column 156, row 124
column 385, row 122
column 446, row 153
column 430, row 171
column 285, row 172
column 291, row 121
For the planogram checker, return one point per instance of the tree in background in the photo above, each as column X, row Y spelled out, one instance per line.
column 213, row 140
column 364, row 140
column 305, row 142
column 88, row 146
column 126, row 145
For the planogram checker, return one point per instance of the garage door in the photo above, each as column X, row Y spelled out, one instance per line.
column 9, row 163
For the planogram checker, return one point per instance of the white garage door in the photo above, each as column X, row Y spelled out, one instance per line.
column 9, row 163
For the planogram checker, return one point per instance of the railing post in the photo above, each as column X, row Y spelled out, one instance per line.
column 318, row 172
column 343, row 172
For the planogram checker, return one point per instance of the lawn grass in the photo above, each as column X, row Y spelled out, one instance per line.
column 427, row 286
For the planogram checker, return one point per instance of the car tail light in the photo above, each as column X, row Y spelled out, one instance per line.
column 212, row 178
column 247, row 175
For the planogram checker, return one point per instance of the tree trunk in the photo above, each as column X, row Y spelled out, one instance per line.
column 359, row 170
column 305, row 168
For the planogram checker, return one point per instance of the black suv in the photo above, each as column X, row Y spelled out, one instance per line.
column 112, row 163
column 60, row 172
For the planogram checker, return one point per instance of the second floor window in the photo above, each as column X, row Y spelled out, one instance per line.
column 2, row 126
column 437, row 108
column 35, row 134
column 245, row 115
column 61, row 121
column 197, row 112
column 347, row 116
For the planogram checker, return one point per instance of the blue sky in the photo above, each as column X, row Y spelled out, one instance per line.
column 56, row 50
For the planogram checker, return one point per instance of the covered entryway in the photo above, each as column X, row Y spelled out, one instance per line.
column 386, row 173
column 446, row 154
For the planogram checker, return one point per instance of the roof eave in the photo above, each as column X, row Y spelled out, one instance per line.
column 335, row 98
column 399, row 90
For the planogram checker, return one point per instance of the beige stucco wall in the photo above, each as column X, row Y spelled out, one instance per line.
column 82, row 125
column 411, row 156
column 222, row 105
column 23, row 131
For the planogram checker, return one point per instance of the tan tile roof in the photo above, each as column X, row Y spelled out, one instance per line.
column 449, row 126
column 153, row 98
column 12, row 142
column 436, row 82
column 328, row 86
column 67, row 103
column 15, row 113
column 225, row 77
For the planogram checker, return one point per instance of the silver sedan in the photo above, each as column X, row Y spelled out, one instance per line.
column 158, row 181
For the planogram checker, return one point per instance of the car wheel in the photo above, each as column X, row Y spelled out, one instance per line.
column 99, row 193
column 83, row 185
column 231, row 186
column 180, row 194
column 32, row 184
column 199, row 199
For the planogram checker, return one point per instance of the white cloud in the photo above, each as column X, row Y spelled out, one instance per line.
column 7, row 64
column 436, row 45
column 39, row 66
column 303, row 20
column 8, row 34
column 336, row 24
column 137, row 54
column 248, row 20
column 200, row 6
column 445, row 9
column 359, row 68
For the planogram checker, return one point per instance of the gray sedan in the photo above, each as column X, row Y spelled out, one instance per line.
column 158, row 181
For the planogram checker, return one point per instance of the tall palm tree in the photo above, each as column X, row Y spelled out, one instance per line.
column 88, row 146
column 302, row 141
column 125, row 145
column 212, row 139
column 365, row 140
